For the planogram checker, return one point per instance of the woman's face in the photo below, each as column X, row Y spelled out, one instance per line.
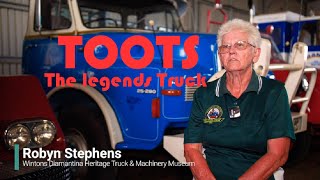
column 235, row 59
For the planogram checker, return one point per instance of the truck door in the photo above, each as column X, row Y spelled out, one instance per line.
column 177, row 107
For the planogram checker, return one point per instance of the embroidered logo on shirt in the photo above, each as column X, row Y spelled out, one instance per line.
column 213, row 115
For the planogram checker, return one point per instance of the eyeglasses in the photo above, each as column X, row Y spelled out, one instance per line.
column 240, row 45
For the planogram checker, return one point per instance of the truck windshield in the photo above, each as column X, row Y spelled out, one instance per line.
column 275, row 53
column 130, row 15
column 310, row 33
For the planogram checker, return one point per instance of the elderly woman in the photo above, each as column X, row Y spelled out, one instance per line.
column 242, row 120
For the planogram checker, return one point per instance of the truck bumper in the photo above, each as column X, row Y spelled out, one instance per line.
column 174, row 145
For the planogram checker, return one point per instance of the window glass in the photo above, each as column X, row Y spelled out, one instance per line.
column 55, row 15
column 165, row 21
column 130, row 15
column 276, row 34
column 310, row 33
column 132, row 21
column 275, row 53
column 95, row 18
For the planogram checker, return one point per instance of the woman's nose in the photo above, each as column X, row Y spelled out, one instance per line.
column 232, row 50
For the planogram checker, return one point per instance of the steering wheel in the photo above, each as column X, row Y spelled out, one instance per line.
column 101, row 19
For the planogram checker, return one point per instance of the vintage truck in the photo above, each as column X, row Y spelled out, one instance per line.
column 287, row 28
column 27, row 121
column 120, row 117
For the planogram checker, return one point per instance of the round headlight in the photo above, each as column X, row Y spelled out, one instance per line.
column 43, row 133
column 17, row 134
column 305, row 83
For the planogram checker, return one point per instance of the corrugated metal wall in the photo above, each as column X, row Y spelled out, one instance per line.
column 13, row 24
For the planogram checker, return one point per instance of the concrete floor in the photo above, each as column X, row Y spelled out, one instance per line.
column 152, row 173
column 309, row 169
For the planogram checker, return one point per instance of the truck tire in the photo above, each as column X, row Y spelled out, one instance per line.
column 84, row 128
column 300, row 148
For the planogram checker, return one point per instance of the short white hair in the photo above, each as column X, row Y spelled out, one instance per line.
column 253, row 33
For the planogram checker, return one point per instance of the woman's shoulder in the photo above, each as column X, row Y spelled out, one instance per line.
column 272, row 84
column 207, row 89
column 208, row 86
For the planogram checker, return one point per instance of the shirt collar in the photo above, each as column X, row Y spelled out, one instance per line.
column 255, row 84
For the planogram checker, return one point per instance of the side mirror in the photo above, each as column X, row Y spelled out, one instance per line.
column 38, row 25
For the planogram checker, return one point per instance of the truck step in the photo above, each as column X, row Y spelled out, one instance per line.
column 174, row 145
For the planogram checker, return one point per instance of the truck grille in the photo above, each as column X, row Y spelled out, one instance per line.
column 189, row 91
column 49, row 173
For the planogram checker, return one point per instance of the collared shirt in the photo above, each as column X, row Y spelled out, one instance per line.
column 233, row 145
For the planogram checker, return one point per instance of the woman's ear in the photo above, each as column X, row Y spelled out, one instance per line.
column 256, row 56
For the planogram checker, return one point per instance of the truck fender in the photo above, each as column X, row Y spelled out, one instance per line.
column 107, row 111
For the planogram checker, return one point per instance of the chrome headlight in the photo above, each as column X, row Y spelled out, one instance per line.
column 305, row 83
column 17, row 134
column 43, row 133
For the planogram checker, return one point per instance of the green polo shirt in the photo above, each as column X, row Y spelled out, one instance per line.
column 233, row 145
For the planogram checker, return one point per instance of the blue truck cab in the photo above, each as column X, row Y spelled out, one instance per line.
column 287, row 28
column 118, row 116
